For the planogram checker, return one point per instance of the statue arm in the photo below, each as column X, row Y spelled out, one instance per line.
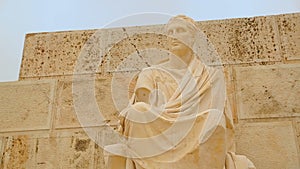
column 144, row 86
column 142, row 95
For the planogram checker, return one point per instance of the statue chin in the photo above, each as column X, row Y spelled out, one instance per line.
column 179, row 51
column 182, row 52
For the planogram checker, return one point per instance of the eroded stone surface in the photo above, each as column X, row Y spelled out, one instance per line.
column 81, row 52
column 18, row 152
column 65, row 150
column 1, row 150
column 268, row 144
column 86, row 93
column 47, row 54
column 268, row 91
column 289, row 29
column 297, row 123
column 230, row 91
column 65, row 115
column 26, row 105
column 139, row 47
column 244, row 40
column 100, row 160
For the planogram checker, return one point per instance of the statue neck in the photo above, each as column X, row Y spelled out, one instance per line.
column 181, row 62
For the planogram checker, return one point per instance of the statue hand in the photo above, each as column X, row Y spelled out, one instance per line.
column 142, row 95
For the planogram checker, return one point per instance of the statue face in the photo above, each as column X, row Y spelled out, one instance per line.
column 183, row 34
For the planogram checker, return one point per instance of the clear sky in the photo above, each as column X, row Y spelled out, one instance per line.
column 18, row 17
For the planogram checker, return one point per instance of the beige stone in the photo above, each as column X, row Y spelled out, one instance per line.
column 297, row 123
column 81, row 52
column 26, row 105
column 68, row 149
column 139, row 48
column 63, row 149
column 289, row 29
column 49, row 54
column 104, row 136
column 268, row 91
column 268, row 144
column 230, row 91
column 244, row 40
column 1, row 150
column 67, row 117
column 18, row 152
column 99, row 158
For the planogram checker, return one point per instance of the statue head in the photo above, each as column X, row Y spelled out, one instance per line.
column 183, row 29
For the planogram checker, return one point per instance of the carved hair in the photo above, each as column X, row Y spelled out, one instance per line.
column 190, row 22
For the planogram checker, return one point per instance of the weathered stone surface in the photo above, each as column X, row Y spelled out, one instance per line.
column 65, row 115
column 26, row 105
column 139, row 47
column 297, row 123
column 230, row 91
column 1, row 150
column 244, row 40
column 18, row 152
column 68, row 149
column 105, row 136
column 289, row 29
column 86, row 92
column 81, row 52
column 47, row 54
column 268, row 144
column 63, row 149
column 268, row 91
column 100, row 159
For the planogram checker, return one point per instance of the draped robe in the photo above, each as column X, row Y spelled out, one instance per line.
column 186, row 125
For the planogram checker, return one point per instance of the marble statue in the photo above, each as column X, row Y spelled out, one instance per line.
column 178, row 117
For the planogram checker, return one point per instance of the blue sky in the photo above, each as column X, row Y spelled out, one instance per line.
column 18, row 17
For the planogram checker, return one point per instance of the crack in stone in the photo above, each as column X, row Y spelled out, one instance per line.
column 136, row 49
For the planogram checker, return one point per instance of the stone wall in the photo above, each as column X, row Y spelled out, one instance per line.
column 261, row 55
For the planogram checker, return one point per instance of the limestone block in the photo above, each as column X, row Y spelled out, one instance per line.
column 81, row 52
column 268, row 91
column 230, row 91
column 100, row 158
column 72, row 148
column 289, row 30
column 139, row 47
column 298, row 133
column 244, row 40
column 66, row 149
column 268, row 144
column 76, row 103
column 65, row 115
column 1, row 150
column 26, row 105
column 104, row 136
column 47, row 54
column 56, row 53
column 18, row 152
